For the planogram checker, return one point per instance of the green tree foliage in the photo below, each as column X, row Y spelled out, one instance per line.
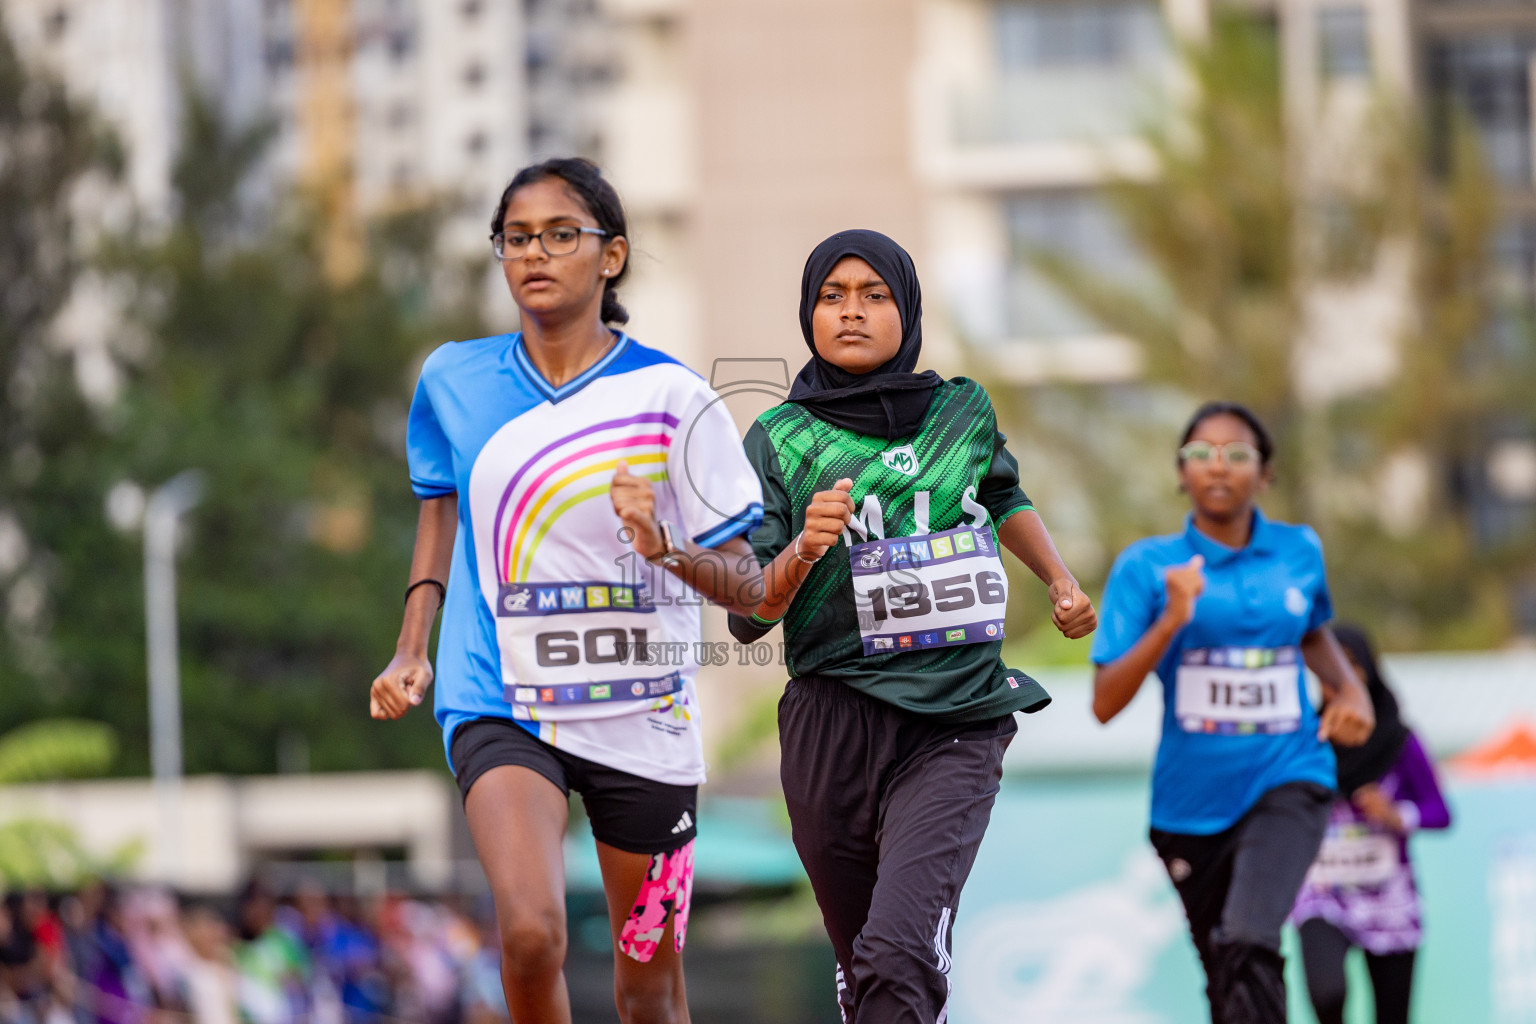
column 290, row 391
column 58, row 748
column 1247, row 221
column 51, row 153
column 38, row 852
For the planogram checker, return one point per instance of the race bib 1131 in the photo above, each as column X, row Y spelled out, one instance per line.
column 1236, row 691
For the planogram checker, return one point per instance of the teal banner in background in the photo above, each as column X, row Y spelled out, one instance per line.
column 1069, row 917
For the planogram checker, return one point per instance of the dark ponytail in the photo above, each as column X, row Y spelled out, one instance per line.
column 584, row 179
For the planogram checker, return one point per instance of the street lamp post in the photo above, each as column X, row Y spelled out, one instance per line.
column 162, row 516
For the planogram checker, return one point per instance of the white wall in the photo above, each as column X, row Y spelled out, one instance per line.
column 226, row 823
column 1453, row 701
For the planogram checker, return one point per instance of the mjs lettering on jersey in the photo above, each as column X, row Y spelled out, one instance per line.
column 869, row 514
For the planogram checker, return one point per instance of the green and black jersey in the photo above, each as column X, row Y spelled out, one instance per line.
column 954, row 471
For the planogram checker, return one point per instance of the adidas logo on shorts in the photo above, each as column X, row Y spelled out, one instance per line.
column 683, row 824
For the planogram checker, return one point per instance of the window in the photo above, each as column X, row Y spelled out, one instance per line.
column 474, row 75
column 1092, row 33
column 1078, row 227
column 476, row 144
column 1514, row 292
column 279, row 55
column 470, row 9
column 56, row 23
column 1344, row 42
column 1487, row 77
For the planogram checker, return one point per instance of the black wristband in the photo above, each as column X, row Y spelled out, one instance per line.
column 442, row 591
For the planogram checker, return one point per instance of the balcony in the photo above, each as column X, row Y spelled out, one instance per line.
column 1070, row 126
column 1063, row 105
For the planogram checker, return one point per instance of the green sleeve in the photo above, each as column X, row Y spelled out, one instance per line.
column 999, row 490
column 777, row 528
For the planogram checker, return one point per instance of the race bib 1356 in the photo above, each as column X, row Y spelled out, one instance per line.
column 932, row 591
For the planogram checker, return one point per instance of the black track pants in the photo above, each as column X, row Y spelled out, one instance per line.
column 1238, row 887
column 887, row 811
column 1323, row 948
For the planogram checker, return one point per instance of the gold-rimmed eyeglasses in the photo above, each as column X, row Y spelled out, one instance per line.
column 1234, row 453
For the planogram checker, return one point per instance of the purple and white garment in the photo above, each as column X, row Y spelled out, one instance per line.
column 1362, row 881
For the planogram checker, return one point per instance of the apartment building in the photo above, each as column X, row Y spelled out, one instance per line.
column 1453, row 59
column 1020, row 112
column 374, row 102
column 971, row 130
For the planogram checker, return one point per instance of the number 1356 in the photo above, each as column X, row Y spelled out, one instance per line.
column 912, row 600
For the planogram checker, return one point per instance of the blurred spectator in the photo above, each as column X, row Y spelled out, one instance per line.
column 347, row 958
column 482, row 997
column 115, row 988
column 274, row 966
column 209, row 980
column 103, row 957
column 46, row 930
column 152, row 926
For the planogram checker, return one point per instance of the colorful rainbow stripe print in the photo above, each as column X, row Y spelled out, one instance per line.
column 642, row 441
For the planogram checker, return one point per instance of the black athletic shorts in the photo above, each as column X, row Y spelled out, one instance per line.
column 627, row 812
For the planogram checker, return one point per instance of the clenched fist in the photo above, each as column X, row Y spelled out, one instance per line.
column 1348, row 718
column 400, row 687
column 634, row 502
column 825, row 517
column 1185, row 583
column 1071, row 610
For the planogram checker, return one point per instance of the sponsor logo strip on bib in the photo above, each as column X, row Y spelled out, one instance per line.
column 514, row 600
column 596, row 693
column 973, row 633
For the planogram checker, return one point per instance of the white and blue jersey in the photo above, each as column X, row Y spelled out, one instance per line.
column 551, row 619
column 1237, row 721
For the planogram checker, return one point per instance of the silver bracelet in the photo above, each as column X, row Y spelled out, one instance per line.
column 808, row 561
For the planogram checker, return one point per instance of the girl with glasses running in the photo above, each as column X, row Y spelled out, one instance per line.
column 889, row 496
column 1226, row 614
column 557, row 506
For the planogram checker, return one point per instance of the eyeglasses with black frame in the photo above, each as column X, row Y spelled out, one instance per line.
column 559, row 240
column 1236, row 454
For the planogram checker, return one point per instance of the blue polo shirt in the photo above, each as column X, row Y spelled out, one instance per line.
column 1236, row 718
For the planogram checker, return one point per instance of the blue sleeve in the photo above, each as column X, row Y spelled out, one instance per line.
column 427, row 451
column 717, row 492
column 1322, row 600
column 1131, row 602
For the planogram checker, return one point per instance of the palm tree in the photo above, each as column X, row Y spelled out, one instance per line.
column 36, row 851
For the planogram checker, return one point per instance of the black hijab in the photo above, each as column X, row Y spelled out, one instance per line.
column 890, row 400
column 1374, row 758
